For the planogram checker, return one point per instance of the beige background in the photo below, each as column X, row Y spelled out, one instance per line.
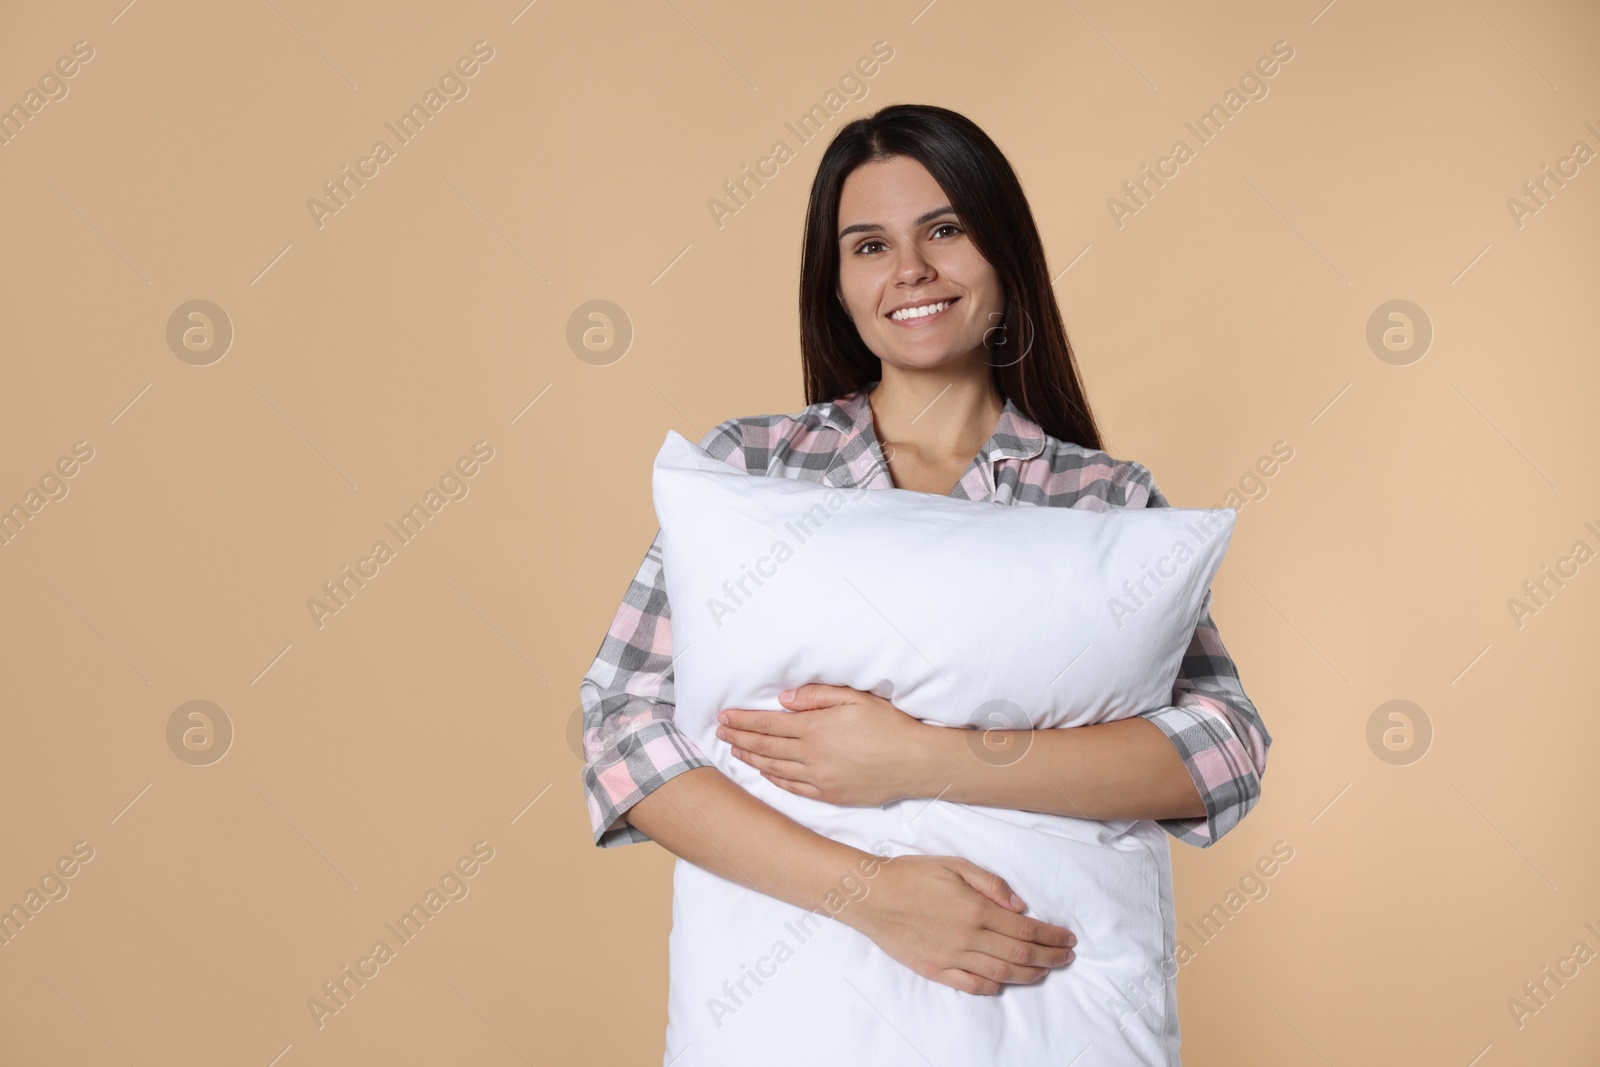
column 435, row 709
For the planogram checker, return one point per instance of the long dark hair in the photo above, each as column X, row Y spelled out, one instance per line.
column 1033, row 367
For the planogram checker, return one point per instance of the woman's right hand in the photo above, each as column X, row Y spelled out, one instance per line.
column 953, row 922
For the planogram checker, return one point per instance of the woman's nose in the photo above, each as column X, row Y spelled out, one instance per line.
column 912, row 265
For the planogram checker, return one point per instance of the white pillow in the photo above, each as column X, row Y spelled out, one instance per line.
column 960, row 613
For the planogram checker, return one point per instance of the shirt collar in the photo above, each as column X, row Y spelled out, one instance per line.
column 1015, row 436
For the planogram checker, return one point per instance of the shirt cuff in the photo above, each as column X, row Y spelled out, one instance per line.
column 1222, row 772
column 631, row 767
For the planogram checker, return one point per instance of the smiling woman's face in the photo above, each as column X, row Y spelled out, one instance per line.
column 901, row 244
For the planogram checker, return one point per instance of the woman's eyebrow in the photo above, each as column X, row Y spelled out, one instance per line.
column 873, row 227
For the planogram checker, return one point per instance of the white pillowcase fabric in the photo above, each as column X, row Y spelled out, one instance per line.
column 963, row 614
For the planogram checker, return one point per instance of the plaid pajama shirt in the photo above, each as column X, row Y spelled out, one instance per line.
column 631, row 745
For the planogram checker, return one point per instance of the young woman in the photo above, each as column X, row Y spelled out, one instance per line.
column 935, row 360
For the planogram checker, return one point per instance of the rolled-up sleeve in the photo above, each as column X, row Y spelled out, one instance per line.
column 1216, row 729
column 631, row 745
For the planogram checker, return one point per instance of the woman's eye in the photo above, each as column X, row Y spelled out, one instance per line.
column 865, row 246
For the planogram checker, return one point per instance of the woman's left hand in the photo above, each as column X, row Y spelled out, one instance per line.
column 835, row 744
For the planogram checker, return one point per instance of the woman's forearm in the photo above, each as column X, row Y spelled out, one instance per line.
column 705, row 817
column 1127, row 769
column 942, row 917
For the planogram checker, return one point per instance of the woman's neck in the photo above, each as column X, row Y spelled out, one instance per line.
column 938, row 415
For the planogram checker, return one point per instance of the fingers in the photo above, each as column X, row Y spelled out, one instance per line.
column 1006, row 947
column 770, row 723
column 983, row 975
column 782, row 768
column 761, row 743
column 1022, row 951
column 967, row 982
column 948, row 927
column 990, row 969
column 1026, row 928
column 989, row 884
column 1027, row 956
column 815, row 695
column 1011, row 923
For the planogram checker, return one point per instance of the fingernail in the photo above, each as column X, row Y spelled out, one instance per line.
column 1016, row 901
column 722, row 717
column 787, row 694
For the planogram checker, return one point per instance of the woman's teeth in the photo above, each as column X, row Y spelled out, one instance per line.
column 919, row 312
